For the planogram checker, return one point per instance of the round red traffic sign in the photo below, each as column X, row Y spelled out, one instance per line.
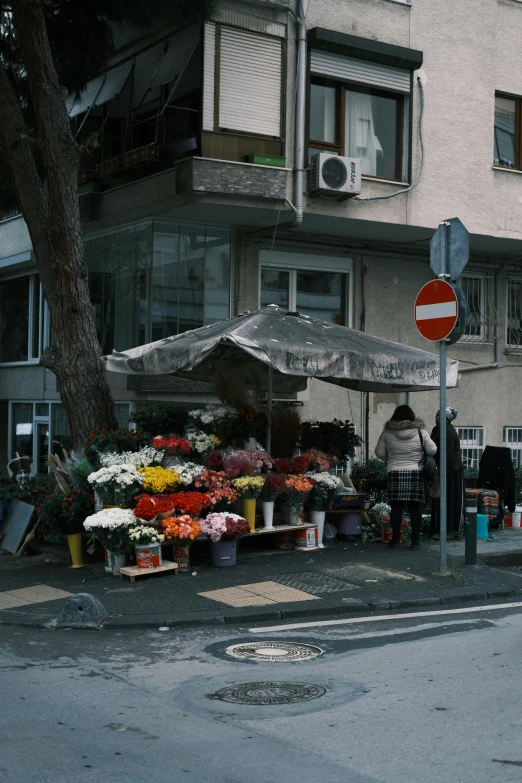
column 436, row 310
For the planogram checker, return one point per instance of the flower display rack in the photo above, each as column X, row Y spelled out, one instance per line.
column 133, row 571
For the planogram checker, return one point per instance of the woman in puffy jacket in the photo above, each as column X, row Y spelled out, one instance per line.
column 402, row 445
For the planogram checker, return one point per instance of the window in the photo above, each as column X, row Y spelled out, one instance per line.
column 243, row 72
column 37, row 428
column 514, row 313
column 513, row 440
column 156, row 279
column 475, row 288
column 472, row 445
column 23, row 319
column 317, row 286
column 358, row 122
column 507, row 137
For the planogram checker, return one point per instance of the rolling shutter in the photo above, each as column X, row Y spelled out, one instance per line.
column 348, row 69
column 250, row 70
column 209, row 65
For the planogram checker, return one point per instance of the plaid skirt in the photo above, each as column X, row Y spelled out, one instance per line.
column 406, row 485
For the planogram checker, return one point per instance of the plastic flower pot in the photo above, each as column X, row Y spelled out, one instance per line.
column 148, row 556
column 117, row 560
column 75, row 548
column 250, row 443
column 317, row 518
column 249, row 512
column 268, row 514
column 223, row 553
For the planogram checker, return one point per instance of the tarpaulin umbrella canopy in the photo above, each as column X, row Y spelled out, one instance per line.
column 292, row 347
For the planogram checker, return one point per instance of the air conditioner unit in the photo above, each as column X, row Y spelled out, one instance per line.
column 334, row 176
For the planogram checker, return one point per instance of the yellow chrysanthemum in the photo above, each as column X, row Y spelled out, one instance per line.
column 158, row 480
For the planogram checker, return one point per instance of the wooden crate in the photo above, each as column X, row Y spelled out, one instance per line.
column 133, row 571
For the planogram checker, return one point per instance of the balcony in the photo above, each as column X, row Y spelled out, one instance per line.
column 205, row 175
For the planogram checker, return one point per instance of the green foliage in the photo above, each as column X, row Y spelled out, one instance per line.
column 102, row 440
column 333, row 437
column 160, row 419
column 64, row 514
column 372, row 470
column 37, row 490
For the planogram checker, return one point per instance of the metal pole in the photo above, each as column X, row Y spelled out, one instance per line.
column 442, row 461
column 470, row 532
column 269, row 408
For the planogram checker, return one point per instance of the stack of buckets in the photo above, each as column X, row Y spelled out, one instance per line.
column 514, row 519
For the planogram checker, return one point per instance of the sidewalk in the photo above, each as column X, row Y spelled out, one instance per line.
column 341, row 579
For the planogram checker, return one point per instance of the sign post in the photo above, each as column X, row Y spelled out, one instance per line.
column 436, row 315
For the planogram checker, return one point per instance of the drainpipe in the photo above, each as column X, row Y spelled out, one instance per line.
column 476, row 367
column 496, row 336
column 299, row 129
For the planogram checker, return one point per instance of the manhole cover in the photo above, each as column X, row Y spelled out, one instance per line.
column 268, row 693
column 274, row 651
column 314, row 583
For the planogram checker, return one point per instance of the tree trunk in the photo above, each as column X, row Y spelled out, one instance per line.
column 48, row 199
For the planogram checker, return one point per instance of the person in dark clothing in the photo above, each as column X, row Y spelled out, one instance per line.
column 497, row 472
column 454, row 478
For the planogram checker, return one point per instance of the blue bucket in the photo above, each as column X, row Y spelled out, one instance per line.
column 482, row 526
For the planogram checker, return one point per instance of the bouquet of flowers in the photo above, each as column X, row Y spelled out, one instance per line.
column 224, row 525
column 146, row 456
column 200, row 442
column 173, row 444
column 319, row 461
column 101, row 440
column 145, row 535
column 188, row 473
column 218, row 419
column 64, row 514
column 182, row 528
column 250, row 423
column 111, row 527
column 190, row 503
column 272, row 488
column 117, row 484
column 218, row 487
column 324, row 490
column 297, row 489
column 158, row 480
column 248, row 487
column 246, row 461
column 296, row 465
column 145, row 508
column 214, row 461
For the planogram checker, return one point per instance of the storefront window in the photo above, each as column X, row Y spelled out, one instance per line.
column 21, row 319
column 22, row 422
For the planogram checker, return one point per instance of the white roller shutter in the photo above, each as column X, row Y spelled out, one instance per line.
column 209, row 65
column 348, row 69
column 250, row 70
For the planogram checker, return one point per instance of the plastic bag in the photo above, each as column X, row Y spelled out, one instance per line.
column 329, row 533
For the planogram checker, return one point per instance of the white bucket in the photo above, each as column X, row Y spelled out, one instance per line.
column 515, row 517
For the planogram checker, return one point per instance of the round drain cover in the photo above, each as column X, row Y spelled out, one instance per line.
column 268, row 693
column 274, row 651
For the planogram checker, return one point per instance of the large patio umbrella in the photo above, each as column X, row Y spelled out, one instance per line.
column 292, row 347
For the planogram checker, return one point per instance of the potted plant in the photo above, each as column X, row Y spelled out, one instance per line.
column 320, row 500
column 142, row 458
column 249, row 488
column 297, row 488
column 111, row 528
column 218, row 488
column 147, row 545
column 274, row 485
column 215, row 419
column 159, row 480
column 224, row 530
column 102, row 440
column 145, row 509
column 334, row 437
column 190, row 503
column 159, row 418
column 181, row 531
column 173, row 449
column 64, row 514
column 250, row 426
column 201, row 443
column 188, row 473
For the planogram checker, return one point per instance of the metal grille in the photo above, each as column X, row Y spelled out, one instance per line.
column 513, row 440
column 472, row 445
column 514, row 313
column 475, row 288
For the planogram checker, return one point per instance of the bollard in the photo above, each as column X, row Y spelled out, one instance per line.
column 470, row 532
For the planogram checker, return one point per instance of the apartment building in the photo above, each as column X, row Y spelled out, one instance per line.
column 200, row 201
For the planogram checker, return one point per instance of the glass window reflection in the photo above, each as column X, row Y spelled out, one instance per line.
column 321, row 295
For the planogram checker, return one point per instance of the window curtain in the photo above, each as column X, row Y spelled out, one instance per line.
column 361, row 141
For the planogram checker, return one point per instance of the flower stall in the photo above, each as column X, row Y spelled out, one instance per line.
column 159, row 493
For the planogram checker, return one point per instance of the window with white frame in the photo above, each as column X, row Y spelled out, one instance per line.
column 514, row 312
column 23, row 319
column 39, row 428
column 513, row 440
column 318, row 286
column 471, row 445
column 475, row 288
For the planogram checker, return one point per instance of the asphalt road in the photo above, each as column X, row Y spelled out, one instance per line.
column 430, row 698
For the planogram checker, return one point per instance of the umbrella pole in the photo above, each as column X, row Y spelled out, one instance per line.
column 269, row 409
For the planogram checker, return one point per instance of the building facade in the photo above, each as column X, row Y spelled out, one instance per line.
column 192, row 213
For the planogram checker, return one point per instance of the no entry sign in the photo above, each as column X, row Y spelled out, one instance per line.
column 436, row 310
